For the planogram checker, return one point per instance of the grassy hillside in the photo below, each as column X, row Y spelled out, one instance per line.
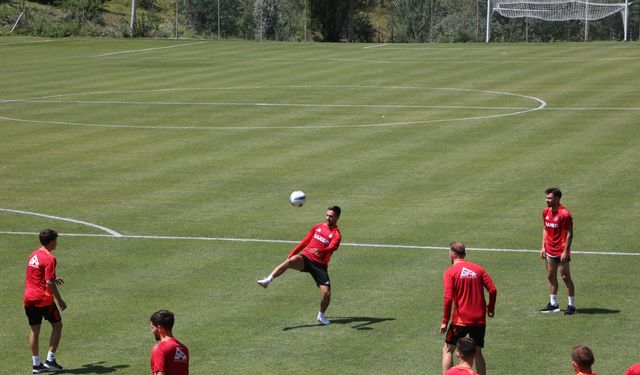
column 65, row 18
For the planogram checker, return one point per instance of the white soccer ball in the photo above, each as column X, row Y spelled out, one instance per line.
column 297, row 198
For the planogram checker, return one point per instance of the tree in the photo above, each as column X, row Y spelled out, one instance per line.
column 336, row 18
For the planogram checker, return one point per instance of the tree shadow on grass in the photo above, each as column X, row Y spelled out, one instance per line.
column 361, row 323
column 93, row 368
column 595, row 310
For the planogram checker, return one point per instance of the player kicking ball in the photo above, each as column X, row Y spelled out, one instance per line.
column 312, row 255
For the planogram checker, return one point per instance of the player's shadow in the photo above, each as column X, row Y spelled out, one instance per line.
column 596, row 311
column 360, row 322
column 93, row 368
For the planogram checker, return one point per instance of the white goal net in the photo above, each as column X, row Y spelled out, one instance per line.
column 557, row 10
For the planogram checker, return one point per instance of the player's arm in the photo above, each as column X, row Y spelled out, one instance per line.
column 53, row 287
column 333, row 244
column 544, row 239
column 448, row 303
column 305, row 241
column 493, row 295
column 567, row 246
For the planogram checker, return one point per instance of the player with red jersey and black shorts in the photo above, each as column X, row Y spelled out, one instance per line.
column 169, row 356
column 557, row 236
column 312, row 255
column 41, row 287
column 464, row 285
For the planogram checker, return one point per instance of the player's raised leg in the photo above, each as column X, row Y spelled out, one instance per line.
column 296, row 262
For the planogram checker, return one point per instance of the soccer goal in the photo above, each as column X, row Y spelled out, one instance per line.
column 558, row 10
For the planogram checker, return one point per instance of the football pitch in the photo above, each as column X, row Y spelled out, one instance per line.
column 166, row 166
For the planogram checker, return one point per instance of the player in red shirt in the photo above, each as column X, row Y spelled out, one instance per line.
column 582, row 359
column 316, row 247
column 464, row 285
column 633, row 369
column 557, row 236
column 169, row 356
column 466, row 352
column 41, row 286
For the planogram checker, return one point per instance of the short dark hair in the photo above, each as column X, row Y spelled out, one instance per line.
column 555, row 191
column 458, row 248
column 163, row 318
column 335, row 209
column 466, row 346
column 47, row 236
column 582, row 356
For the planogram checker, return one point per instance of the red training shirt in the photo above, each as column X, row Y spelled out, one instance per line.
column 464, row 284
column 458, row 370
column 319, row 243
column 556, row 225
column 40, row 269
column 171, row 357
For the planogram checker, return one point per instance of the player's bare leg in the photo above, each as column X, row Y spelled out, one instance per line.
column 325, row 291
column 34, row 333
column 552, row 276
column 481, row 367
column 56, row 334
column 447, row 357
column 296, row 262
column 565, row 274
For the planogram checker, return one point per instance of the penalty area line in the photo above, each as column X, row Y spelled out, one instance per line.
column 348, row 244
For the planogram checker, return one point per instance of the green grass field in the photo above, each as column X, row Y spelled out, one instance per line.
column 188, row 150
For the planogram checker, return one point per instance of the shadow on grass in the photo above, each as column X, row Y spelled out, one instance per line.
column 361, row 322
column 595, row 310
column 93, row 368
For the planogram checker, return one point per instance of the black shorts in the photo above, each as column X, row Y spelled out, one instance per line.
column 457, row 332
column 318, row 271
column 35, row 314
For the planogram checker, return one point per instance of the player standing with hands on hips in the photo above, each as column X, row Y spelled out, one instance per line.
column 557, row 236
column 464, row 285
column 316, row 247
column 41, row 287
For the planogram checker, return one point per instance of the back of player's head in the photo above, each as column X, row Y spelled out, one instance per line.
column 163, row 318
column 582, row 356
column 47, row 236
column 336, row 210
column 555, row 191
column 466, row 346
column 458, row 249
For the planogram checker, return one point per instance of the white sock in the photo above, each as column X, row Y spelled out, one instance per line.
column 321, row 314
column 36, row 360
column 51, row 356
column 269, row 278
column 553, row 299
column 571, row 301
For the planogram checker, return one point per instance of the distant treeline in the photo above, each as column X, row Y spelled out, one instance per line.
column 290, row 20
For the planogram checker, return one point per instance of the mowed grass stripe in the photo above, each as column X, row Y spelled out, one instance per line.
column 479, row 181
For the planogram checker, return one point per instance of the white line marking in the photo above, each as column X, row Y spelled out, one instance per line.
column 231, row 239
column 262, row 104
column 375, row 46
column 112, row 232
column 541, row 104
column 148, row 49
column 27, row 42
